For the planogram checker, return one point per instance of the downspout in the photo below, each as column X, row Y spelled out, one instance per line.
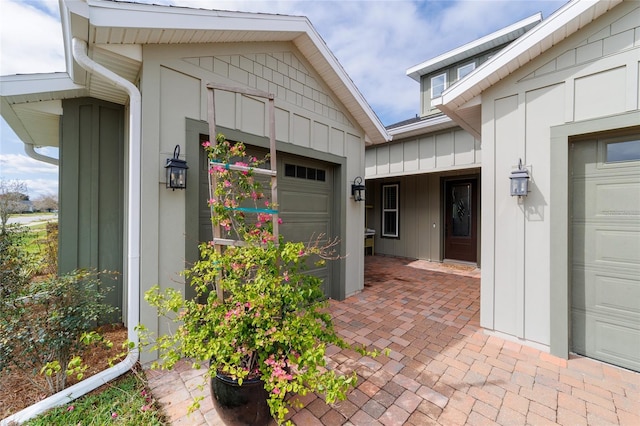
column 29, row 148
column 133, row 248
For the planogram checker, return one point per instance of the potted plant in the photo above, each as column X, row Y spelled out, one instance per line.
column 269, row 323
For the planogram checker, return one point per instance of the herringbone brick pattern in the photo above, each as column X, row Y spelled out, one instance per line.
column 441, row 369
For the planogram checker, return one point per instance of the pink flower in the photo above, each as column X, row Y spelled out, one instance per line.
column 276, row 391
column 70, row 408
column 206, row 144
column 114, row 415
column 145, row 408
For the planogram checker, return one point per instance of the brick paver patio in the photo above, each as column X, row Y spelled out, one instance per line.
column 442, row 368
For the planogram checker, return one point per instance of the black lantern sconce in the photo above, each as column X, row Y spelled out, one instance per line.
column 358, row 189
column 176, row 171
column 519, row 181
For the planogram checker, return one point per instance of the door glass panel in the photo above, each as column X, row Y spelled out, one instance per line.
column 461, row 210
column 623, row 151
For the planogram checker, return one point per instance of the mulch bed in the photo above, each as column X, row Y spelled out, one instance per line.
column 17, row 392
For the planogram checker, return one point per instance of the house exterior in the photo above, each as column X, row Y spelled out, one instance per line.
column 561, row 265
column 136, row 86
column 423, row 187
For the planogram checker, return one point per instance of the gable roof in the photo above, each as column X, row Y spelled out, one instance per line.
column 120, row 29
column 490, row 41
column 461, row 101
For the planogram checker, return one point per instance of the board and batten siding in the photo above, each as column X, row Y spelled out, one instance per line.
column 309, row 121
column 454, row 149
column 91, row 217
column 591, row 75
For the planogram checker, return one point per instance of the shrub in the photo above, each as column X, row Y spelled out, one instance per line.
column 44, row 324
column 15, row 262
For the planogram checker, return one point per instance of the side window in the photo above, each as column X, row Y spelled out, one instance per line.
column 438, row 84
column 464, row 70
column 390, row 212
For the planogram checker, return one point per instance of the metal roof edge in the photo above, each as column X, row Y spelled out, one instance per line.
column 423, row 68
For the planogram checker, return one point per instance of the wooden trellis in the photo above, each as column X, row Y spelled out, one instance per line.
column 217, row 240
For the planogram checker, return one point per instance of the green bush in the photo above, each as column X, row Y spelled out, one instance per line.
column 42, row 325
column 15, row 262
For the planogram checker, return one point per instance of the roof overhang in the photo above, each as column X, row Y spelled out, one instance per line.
column 420, row 127
column 469, row 50
column 32, row 105
column 116, row 31
column 462, row 100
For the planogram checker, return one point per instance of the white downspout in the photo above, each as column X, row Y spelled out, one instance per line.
column 133, row 248
column 31, row 152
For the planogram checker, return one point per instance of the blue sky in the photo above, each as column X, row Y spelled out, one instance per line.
column 375, row 41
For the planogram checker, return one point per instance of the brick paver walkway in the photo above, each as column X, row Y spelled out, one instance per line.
column 442, row 368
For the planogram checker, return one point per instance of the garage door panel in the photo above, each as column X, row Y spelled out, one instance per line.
column 304, row 230
column 608, row 294
column 617, row 342
column 608, row 198
column 295, row 202
column 606, row 245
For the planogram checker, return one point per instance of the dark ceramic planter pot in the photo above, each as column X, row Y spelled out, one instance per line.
column 240, row 405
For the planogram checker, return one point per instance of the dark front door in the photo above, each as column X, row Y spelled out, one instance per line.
column 461, row 224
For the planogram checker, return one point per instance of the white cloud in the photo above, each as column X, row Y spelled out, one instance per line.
column 31, row 39
column 16, row 164
column 41, row 187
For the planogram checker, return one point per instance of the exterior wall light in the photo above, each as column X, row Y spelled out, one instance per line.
column 358, row 189
column 519, row 181
column 176, row 171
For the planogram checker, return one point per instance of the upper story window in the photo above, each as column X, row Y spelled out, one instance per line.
column 438, row 84
column 464, row 70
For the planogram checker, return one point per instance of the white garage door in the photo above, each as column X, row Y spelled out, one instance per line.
column 605, row 285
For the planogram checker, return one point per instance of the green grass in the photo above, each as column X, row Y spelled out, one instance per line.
column 125, row 401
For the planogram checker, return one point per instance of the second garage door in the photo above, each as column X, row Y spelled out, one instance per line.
column 605, row 288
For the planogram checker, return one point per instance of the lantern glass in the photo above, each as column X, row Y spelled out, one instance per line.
column 176, row 171
column 519, row 182
column 519, row 186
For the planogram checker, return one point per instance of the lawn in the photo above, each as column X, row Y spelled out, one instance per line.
column 125, row 401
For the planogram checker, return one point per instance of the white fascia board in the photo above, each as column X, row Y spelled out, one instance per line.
column 477, row 81
column 419, row 70
column 148, row 16
column 423, row 126
column 28, row 84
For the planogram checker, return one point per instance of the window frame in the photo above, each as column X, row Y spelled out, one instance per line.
column 444, row 84
column 473, row 64
column 384, row 210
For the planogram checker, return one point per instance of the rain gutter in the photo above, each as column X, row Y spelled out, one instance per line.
column 79, row 48
column 30, row 150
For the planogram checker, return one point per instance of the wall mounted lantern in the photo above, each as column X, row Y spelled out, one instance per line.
column 519, row 181
column 176, row 171
column 358, row 189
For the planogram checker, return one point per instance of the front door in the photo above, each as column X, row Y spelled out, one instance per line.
column 461, row 223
